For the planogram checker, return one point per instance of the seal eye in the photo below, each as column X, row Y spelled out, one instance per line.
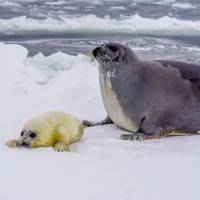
column 22, row 133
column 112, row 48
column 32, row 135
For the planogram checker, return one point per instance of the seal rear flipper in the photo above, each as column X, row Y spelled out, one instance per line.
column 107, row 120
column 176, row 133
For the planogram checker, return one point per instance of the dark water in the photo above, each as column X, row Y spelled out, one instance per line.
column 154, row 45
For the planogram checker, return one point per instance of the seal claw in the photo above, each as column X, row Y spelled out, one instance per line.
column 87, row 123
column 60, row 147
column 137, row 136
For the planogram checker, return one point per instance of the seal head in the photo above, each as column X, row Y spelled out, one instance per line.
column 27, row 138
column 112, row 54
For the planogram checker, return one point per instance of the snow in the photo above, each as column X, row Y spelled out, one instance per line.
column 9, row 3
column 117, row 8
column 184, row 6
column 101, row 166
column 93, row 24
column 55, row 3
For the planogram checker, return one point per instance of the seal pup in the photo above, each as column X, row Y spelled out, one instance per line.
column 151, row 99
column 56, row 129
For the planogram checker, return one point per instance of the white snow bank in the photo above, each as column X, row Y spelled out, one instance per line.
column 94, row 24
column 100, row 166
column 117, row 8
column 55, row 3
column 49, row 79
column 184, row 6
column 9, row 3
column 15, row 77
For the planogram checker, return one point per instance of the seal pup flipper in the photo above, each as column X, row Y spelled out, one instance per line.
column 60, row 147
column 107, row 120
column 12, row 143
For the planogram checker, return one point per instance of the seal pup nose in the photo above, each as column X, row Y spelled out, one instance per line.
column 24, row 144
column 96, row 51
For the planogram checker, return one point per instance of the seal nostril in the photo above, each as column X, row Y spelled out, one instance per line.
column 95, row 51
column 24, row 144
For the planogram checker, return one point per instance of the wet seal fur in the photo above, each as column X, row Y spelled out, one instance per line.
column 55, row 129
column 151, row 99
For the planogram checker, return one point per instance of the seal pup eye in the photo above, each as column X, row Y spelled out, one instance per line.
column 22, row 133
column 32, row 135
column 112, row 48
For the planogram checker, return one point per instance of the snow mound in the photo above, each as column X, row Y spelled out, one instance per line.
column 27, row 81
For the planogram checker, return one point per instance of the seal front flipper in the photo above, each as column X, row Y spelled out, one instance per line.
column 107, row 120
column 60, row 147
column 137, row 136
column 157, row 125
column 12, row 143
column 141, row 136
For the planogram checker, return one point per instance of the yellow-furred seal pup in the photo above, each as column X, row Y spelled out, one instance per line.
column 56, row 129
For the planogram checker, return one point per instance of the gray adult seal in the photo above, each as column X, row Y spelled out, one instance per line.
column 151, row 99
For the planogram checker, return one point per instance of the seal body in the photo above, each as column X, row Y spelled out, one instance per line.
column 151, row 99
column 112, row 104
column 55, row 129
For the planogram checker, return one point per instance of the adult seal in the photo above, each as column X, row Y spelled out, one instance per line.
column 151, row 99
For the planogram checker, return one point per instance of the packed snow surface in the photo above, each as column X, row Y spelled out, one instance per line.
column 101, row 166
